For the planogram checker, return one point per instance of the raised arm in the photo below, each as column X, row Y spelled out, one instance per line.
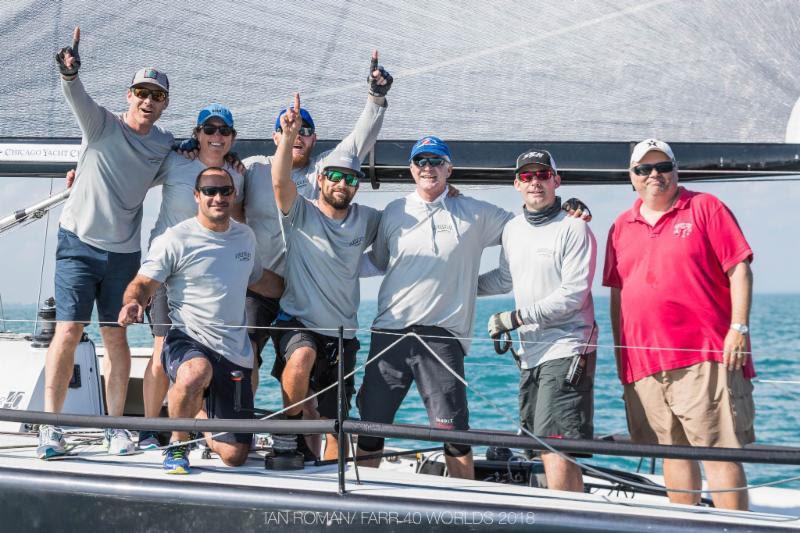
column 90, row 116
column 135, row 299
column 497, row 281
column 282, row 184
column 361, row 140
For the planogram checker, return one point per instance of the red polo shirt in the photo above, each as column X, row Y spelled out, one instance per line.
column 675, row 293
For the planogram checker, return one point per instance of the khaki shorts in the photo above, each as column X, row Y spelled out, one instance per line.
column 700, row 405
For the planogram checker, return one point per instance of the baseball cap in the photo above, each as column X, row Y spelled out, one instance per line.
column 430, row 145
column 215, row 110
column 305, row 115
column 342, row 159
column 151, row 76
column 534, row 156
column 648, row 145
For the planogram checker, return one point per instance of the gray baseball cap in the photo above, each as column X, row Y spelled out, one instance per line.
column 151, row 76
column 340, row 159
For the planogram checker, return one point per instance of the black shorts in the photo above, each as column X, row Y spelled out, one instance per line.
column 261, row 312
column 179, row 348
column 549, row 407
column 387, row 380
column 325, row 371
column 158, row 313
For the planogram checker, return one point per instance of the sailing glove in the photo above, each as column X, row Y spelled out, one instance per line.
column 76, row 64
column 374, row 88
column 573, row 203
column 504, row 322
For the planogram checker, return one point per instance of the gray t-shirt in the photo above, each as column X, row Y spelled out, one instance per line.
column 206, row 274
column 259, row 203
column 322, row 258
column 177, row 177
column 431, row 252
column 551, row 268
column 115, row 170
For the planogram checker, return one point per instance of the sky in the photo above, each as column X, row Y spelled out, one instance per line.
column 767, row 212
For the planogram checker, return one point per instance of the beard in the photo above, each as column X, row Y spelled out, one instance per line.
column 301, row 161
column 335, row 201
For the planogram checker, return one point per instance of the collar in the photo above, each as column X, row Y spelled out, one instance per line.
column 682, row 202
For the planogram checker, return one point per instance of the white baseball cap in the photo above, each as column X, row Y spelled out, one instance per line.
column 648, row 145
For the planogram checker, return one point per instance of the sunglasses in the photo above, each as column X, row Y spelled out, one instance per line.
column 211, row 129
column 305, row 131
column 423, row 162
column 646, row 169
column 225, row 190
column 541, row 175
column 143, row 93
column 337, row 175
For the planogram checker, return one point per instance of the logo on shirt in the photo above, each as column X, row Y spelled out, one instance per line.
column 682, row 229
column 356, row 242
column 243, row 256
column 443, row 228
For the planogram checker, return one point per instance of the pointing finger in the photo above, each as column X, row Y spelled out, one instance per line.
column 373, row 65
column 297, row 102
column 76, row 39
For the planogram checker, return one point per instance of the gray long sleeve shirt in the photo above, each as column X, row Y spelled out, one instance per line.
column 260, row 208
column 431, row 252
column 550, row 268
column 116, row 168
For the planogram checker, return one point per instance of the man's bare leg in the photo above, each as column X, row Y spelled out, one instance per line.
column 186, row 395
column 461, row 467
column 727, row 475
column 59, row 363
column 313, row 441
column 562, row 474
column 156, row 383
column 682, row 474
column 294, row 380
column 369, row 463
column 116, row 368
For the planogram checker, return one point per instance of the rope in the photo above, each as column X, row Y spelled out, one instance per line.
column 44, row 251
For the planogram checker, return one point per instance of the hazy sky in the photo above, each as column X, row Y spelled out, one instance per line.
column 767, row 212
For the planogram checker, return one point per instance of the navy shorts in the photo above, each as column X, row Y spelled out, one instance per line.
column 261, row 312
column 84, row 274
column 220, row 395
column 158, row 313
column 325, row 371
column 388, row 379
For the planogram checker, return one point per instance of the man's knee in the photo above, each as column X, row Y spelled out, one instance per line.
column 194, row 376
column 301, row 360
column 69, row 333
column 232, row 454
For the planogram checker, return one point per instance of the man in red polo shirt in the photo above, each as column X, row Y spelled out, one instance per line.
column 678, row 267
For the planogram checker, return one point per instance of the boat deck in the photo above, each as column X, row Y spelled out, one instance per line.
column 93, row 487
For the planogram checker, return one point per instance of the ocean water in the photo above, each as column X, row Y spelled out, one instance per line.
column 776, row 347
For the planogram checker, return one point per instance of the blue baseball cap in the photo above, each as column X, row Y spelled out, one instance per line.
column 305, row 115
column 215, row 110
column 430, row 145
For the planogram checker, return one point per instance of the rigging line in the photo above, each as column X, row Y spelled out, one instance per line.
column 483, row 52
column 44, row 254
column 2, row 315
column 592, row 469
column 484, row 340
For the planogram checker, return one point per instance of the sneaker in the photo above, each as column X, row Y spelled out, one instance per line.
column 176, row 459
column 118, row 442
column 148, row 440
column 51, row 442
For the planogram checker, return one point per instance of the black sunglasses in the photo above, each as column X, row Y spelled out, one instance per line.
column 337, row 175
column 225, row 190
column 305, row 131
column 661, row 168
column 423, row 162
column 143, row 93
column 211, row 129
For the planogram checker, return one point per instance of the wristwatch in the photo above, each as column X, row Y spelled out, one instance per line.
column 741, row 328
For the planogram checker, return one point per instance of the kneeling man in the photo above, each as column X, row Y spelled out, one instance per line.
column 206, row 263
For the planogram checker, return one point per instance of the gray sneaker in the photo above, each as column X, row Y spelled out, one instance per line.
column 119, row 442
column 51, row 442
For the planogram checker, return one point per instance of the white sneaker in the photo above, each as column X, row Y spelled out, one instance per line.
column 51, row 442
column 119, row 442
